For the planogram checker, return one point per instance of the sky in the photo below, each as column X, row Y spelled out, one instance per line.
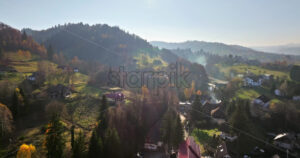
column 243, row 22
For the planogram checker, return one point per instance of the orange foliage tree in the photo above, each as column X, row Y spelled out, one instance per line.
column 26, row 151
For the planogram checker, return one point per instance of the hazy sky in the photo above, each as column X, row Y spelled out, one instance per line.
column 245, row 22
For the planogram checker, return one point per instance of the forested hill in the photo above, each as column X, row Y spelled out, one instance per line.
column 13, row 40
column 99, row 42
column 220, row 49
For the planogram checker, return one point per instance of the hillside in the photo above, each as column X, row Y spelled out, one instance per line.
column 219, row 49
column 101, row 43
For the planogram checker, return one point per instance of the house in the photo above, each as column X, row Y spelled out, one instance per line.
column 33, row 76
column 117, row 96
column 253, row 81
column 228, row 137
column 277, row 92
column 59, row 91
column 221, row 151
column 189, row 149
column 296, row 98
column 67, row 68
column 183, row 106
column 75, row 69
column 262, row 100
column 285, row 141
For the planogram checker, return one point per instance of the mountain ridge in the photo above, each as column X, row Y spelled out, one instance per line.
column 219, row 49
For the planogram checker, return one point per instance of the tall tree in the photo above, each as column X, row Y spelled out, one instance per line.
column 72, row 136
column 50, row 52
column 95, row 146
column 79, row 147
column 112, row 143
column 24, row 36
column 1, row 54
column 197, row 115
column 55, row 142
column 103, row 122
column 179, row 133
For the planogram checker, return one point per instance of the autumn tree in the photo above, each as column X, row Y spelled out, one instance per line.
column 55, row 108
column 145, row 91
column 188, row 92
column 26, row 151
column 55, row 142
column 6, row 120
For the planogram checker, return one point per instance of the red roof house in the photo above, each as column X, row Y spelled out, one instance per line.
column 189, row 149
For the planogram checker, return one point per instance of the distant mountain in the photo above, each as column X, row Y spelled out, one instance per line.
column 220, row 49
column 291, row 49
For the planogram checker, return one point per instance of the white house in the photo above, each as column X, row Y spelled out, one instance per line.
column 32, row 77
column 76, row 70
column 277, row 92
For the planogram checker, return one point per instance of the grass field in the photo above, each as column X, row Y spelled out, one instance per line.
column 204, row 137
column 242, row 69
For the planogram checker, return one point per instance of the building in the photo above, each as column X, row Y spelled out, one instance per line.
column 116, row 96
column 221, row 151
column 33, row 76
column 296, row 98
column 277, row 92
column 253, row 81
column 189, row 149
column 262, row 100
column 59, row 91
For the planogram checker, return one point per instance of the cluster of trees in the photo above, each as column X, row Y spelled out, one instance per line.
column 105, row 141
column 13, row 40
column 198, row 117
column 172, row 129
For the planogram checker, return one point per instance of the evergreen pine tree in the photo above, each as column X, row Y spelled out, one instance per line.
column 72, row 136
column 179, row 133
column 79, row 147
column 24, row 36
column 112, row 143
column 15, row 105
column 50, row 52
column 197, row 115
column 55, row 142
column 1, row 54
column 95, row 146
column 103, row 122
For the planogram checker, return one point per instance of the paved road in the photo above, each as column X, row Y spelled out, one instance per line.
column 155, row 155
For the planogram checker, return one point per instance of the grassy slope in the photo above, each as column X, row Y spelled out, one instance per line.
column 242, row 69
column 85, row 101
column 204, row 137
